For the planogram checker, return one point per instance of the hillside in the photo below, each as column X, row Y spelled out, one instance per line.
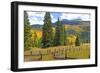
column 72, row 27
column 66, row 22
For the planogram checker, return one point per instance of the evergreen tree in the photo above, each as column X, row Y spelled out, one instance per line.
column 77, row 42
column 65, row 41
column 27, row 32
column 62, row 35
column 59, row 34
column 47, row 37
column 26, row 20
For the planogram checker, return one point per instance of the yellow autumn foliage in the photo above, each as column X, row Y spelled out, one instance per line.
column 38, row 33
column 71, row 39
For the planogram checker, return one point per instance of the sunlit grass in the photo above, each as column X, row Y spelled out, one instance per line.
column 58, row 53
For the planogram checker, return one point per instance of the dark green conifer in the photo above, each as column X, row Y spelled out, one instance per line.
column 47, row 38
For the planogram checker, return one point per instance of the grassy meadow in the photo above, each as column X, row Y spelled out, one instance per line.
column 58, row 53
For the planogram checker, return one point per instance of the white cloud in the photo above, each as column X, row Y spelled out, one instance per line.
column 53, row 19
column 35, row 20
column 34, row 17
column 38, row 17
column 41, row 14
column 70, row 16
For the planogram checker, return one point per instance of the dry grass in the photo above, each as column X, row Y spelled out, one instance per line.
column 58, row 53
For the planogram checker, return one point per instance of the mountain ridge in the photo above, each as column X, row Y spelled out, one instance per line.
column 66, row 22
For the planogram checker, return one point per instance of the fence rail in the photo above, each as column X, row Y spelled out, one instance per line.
column 69, row 52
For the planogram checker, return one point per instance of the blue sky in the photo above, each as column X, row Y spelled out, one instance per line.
column 38, row 17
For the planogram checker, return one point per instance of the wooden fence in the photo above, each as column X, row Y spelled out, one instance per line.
column 69, row 52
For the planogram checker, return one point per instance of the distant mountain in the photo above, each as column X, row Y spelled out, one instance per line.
column 73, row 22
column 36, row 26
column 66, row 22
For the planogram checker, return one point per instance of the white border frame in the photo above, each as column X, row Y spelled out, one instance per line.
column 22, row 64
